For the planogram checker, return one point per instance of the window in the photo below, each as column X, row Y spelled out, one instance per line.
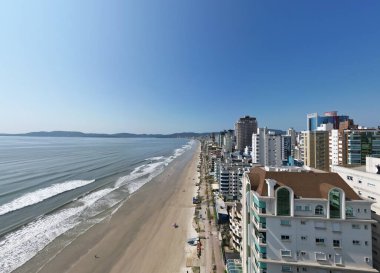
column 366, row 243
column 349, row 212
column 349, row 177
column 358, row 210
column 304, row 269
column 355, row 242
column 366, row 259
column 320, row 241
column 285, row 237
column 320, row 256
column 365, row 210
column 334, row 200
column 307, row 208
column 336, row 243
column 286, row 253
column 298, row 208
column 338, row 259
column 285, row 222
column 283, row 202
column 319, row 210
column 355, row 226
column 286, row 268
column 365, row 226
column 371, row 185
column 360, row 181
column 303, row 238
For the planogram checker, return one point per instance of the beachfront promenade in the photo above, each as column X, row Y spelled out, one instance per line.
column 211, row 259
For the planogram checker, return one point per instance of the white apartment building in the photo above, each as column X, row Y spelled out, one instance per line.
column 266, row 148
column 334, row 146
column 235, row 225
column 228, row 174
column 303, row 222
column 365, row 181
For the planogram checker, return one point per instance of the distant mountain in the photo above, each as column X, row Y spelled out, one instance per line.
column 119, row 135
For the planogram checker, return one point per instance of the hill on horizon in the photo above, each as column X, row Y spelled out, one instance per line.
column 117, row 135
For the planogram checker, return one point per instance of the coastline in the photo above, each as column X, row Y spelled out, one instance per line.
column 139, row 236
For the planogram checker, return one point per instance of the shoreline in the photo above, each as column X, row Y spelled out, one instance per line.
column 139, row 236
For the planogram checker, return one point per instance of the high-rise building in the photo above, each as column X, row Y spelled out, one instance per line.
column 316, row 149
column 244, row 128
column 362, row 143
column 228, row 141
column 266, row 148
column 314, row 120
column 303, row 222
column 351, row 147
column 286, row 147
column 293, row 137
column 365, row 181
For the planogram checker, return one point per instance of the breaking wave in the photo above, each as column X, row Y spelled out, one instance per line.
column 40, row 195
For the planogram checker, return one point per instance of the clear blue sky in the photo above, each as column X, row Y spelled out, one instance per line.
column 186, row 65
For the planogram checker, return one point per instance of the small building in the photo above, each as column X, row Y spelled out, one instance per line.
column 233, row 263
column 221, row 210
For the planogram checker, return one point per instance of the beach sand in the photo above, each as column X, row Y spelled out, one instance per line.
column 139, row 237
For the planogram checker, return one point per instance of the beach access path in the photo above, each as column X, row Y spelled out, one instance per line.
column 140, row 236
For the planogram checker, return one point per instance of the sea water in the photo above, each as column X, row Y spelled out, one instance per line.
column 52, row 189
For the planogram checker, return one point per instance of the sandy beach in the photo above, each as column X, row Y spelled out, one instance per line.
column 139, row 237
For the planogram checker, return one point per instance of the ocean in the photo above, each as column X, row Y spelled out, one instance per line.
column 54, row 189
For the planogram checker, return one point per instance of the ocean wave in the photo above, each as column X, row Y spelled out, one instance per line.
column 154, row 169
column 138, row 172
column 40, row 195
column 18, row 247
column 155, row 158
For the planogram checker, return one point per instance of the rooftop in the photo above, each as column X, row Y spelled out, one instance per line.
column 304, row 184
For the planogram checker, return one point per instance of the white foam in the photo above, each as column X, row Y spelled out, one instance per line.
column 155, row 158
column 139, row 172
column 155, row 169
column 21, row 245
column 40, row 195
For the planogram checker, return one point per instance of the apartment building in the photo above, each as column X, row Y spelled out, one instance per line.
column 244, row 128
column 297, row 221
column 365, row 181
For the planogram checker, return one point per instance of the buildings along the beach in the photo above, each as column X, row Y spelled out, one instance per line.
column 365, row 181
column 303, row 221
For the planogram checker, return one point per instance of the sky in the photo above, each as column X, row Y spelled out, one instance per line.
column 179, row 65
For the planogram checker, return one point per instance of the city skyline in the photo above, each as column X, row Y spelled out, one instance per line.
column 171, row 67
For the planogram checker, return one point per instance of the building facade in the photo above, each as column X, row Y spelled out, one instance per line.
column 365, row 181
column 244, row 128
column 235, row 226
column 286, row 147
column 304, row 222
column 360, row 144
column 314, row 120
column 351, row 147
column 316, row 149
column 266, row 148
